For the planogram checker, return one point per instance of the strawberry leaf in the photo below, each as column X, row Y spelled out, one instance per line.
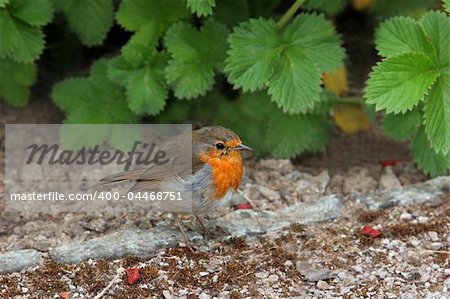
column 289, row 63
column 399, row 83
column 195, row 57
column 201, row 8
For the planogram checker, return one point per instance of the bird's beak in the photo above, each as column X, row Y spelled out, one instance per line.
column 242, row 147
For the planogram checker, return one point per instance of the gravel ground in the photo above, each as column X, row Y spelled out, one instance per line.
column 331, row 260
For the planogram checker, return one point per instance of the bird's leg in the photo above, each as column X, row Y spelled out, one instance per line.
column 245, row 197
column 206, row 232
column 189, row 243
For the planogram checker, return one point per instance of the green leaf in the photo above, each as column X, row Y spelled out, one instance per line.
column 119, row 70
column 231, row 12
column 93, row 99
column 402, row 126
column 142, row 44
column 15, row 80
column 431, row 162
column 289, row 135
column 8, row 33
column 437, row 28
column 252, row 53
column 134, row 14
column 124, row 137
column 75, row 136
column 195, row 57
column 201, row 8
column 18, row 40
column 295, row 85
column 447, row 5
column 33, row 12
column 437, row 114
column 3, row 3
column 145, row 85
column 288, row 63
column 90, row 19
column 401, row 35
column 146, row 89
column 397, row 84
column 317, row 37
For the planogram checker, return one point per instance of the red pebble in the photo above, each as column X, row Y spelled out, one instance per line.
column 243, row 206
column 387, row 162
column 133, row 275
column 370, row 231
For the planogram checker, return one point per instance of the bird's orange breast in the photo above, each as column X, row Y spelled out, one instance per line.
column 227, row 172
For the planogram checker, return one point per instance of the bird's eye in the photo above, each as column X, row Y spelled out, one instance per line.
column 220, row 145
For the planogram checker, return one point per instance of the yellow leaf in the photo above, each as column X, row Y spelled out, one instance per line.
column 337, row 81
column 350, row 118
column 362, row 4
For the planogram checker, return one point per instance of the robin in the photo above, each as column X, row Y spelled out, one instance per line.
column 217, row 170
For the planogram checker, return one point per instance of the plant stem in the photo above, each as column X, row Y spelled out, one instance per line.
column 289, row 14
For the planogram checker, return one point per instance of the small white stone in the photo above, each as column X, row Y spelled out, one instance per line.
column 424, row 278
column 422, row 219
column 435, row 245
column 415, row 242
column 203, row 273
column 447, row 272
column 166, row 294
column 273, row 278
column 433, row 236
column 24, row 290
column 215, row 278
column 358, row 268
column 427, row 285
column 447, row 283
column 405, row 216
column 204, row 296
column 323, row 285
column 261, row 275
column 288, row 264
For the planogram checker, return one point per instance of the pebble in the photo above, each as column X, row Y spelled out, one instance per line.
column 405, row 216
column 435, row 245
column 433, row 236
column 424, row 278
column 204, row 296
column 447, row 283
column 317, row 275
column 262, row 275
column 358, row 268
column 342, row 275
column 269, row 193
column 273, row 278
column 167, row 294
column 323, row 285
column 447, row 272
column 415, row 242
column 203, row 273
column 389, row 180
column 422, row 219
